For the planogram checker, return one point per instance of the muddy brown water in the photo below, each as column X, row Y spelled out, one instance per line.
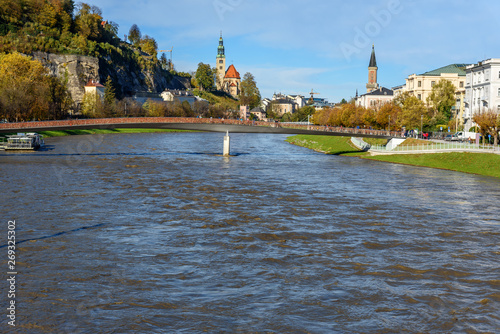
column 158, row 233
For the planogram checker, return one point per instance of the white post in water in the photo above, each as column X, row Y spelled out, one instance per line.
column 226, row 144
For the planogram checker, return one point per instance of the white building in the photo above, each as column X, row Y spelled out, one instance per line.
column 171, row 95
column 482, row 89
column 375, row 98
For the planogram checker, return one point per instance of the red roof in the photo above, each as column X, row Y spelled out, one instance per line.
column 93, row 83
column 232, row 73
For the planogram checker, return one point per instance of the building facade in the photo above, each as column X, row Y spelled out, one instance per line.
column 376, row 98
column 482, row 89
column 172, row 95
column 420, row 85
column 94, row 87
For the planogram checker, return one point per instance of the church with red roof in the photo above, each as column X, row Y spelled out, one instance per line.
column 227, row 80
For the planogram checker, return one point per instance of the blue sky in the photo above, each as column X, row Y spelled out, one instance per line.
column 294, row 46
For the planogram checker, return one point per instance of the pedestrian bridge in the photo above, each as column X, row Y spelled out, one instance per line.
column 195, row 124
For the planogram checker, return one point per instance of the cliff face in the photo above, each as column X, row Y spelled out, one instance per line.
column 127, row 79
column 78, row 70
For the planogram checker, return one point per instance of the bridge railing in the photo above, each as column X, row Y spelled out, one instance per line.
column 434, row 146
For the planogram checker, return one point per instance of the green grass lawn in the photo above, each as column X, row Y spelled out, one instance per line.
column 326, row 144
column 474, row 163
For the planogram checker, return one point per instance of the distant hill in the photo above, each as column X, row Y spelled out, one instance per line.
column 78, row 42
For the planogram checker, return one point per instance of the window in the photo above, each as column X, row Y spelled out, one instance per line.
column 498, row 109
column 419, row 84
column 461, row 84
column 419, row 96
column 498, row 91
column 498, row 75
column 433, row 83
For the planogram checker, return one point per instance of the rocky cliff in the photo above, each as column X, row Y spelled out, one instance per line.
column 127, row 78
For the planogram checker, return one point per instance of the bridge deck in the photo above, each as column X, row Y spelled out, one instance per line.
column 195, row 124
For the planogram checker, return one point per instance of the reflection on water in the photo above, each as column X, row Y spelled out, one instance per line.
column 158, row 233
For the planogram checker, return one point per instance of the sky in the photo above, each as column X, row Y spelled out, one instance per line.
column 296, row 46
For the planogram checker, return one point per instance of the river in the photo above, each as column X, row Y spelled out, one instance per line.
column 158, row 233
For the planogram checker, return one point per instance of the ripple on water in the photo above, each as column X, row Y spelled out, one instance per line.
column 276, row 239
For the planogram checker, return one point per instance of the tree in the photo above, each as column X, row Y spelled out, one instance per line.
column 88, row 22
column 343, row 101
column 149, row 45
column 109, row 96
column 164, row 62
column 91, row 105
column 249, row 93
column 302, row 114
column 442, row 99
column 205, row 77
column 59, row 97
column 388, row 111
column 134, row 35
column 413, row 110
column 24, row 88
column 489, row 124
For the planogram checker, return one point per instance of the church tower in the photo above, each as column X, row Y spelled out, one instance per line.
column 372, row 73
column 221, row 64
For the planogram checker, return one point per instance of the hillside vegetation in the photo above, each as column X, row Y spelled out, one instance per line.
column 60, row 27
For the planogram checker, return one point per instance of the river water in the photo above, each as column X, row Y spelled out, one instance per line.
column 158, row 233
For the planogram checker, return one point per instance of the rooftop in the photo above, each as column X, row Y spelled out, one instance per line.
column 450, row 69
column 380, row 91
column 232, row 73
column 93, row 83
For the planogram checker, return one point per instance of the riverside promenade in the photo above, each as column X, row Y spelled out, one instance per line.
column 195, row 124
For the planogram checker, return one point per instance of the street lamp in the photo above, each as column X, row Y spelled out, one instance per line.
column 422, row 126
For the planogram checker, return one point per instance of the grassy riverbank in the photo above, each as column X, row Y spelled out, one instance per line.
column 61, row 133
column 473, row 163
column 326, row 144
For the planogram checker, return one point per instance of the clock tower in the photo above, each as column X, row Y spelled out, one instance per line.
column 220, row 64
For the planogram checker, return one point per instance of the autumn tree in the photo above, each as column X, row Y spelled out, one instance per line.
column 24, row 88
column 413, row 111
column 249, row 93
column 205, row 77
column 88, row 22
column 442, row 99
column 489, row 124
column 388, row 112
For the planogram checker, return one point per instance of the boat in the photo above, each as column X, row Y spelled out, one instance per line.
column 24, row 142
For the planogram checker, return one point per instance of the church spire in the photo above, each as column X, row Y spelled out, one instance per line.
column 372, row 73
column 373, row 60
column 220, row 49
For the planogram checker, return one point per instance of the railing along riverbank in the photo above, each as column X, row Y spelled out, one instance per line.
column 428, row 147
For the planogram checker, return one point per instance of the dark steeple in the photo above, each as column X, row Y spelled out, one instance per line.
column 373, row 60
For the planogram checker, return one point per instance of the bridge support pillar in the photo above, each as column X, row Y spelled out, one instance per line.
column 226, row 145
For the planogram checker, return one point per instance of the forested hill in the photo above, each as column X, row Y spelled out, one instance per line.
column 60, row 27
